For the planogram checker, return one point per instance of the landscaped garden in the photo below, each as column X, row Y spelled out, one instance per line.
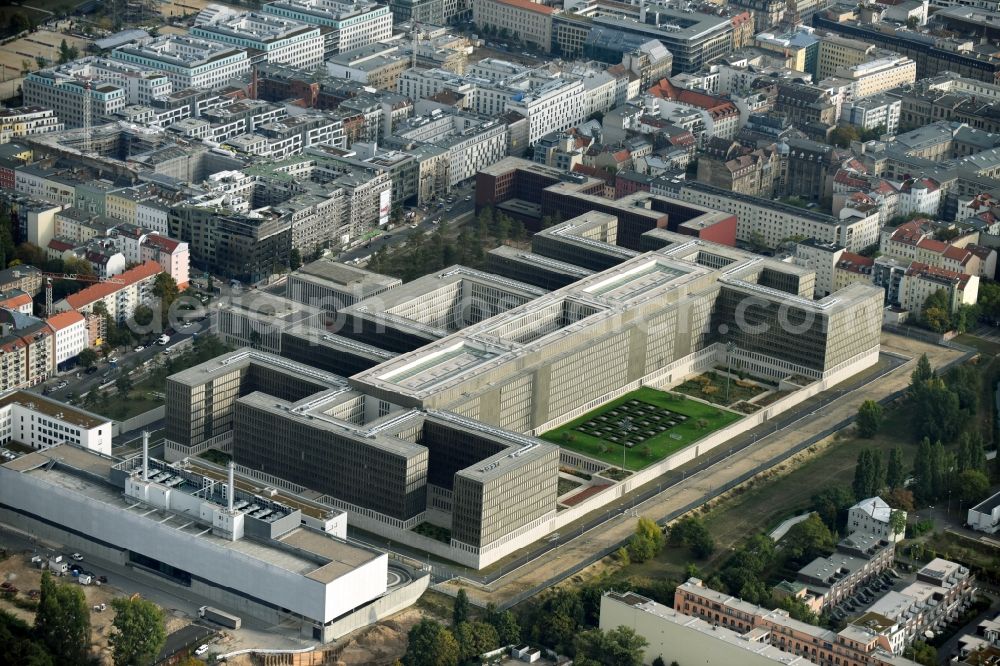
column 565, row 485
column 646, row 425
column 433, row 532
column 713, row 387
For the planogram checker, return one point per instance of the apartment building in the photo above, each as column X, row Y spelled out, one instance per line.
column 17, row 300
column 730, row 166
column 171, row 254
column 550, row 102
column 69, row 332
column 531, row 21
column 867, row 644
column 132, row 288
column 23, row 121
column 683, row 638
column 879, row 111
column 281, row 40
column 40, row 423
column 63, row 88
column 822, row 258
column 942, row 591
column 773, row 223
column 26, row 350
column 873, row 516
column 921, row 280
column 351, row 25
column 471, row 143
column 858, row 559
column 837, row 52
column 878, row 75
column 188, row 62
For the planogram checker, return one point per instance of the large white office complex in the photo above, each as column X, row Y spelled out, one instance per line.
column 281, row 40
column 188, row 62
column 550, row 102
column 110, row 84
column 353, row 24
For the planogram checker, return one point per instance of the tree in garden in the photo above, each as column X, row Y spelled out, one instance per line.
column 869, row 418
column 869, row 474
column 897, row 522
column 431, row 644
column 137, row 632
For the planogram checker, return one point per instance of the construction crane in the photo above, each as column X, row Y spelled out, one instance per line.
column 49, row 277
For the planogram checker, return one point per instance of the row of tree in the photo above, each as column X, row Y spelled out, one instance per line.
column 61, row 633
column 426, row 253
column 430, row 643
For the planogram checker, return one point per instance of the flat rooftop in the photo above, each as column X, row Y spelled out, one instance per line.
column 54, row 409
column 311, row 554
column 345, row 277
column 216, row 367
column 635, row 281
column 343, row 557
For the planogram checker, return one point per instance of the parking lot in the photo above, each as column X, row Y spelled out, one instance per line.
column 869, row 593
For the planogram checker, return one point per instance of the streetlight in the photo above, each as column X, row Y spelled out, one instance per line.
column 730, row 348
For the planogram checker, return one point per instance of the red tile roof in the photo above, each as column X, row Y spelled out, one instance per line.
column 16, row 301
column 58, row 322
column 932, row 245
column 164, row 243
column 98, row 291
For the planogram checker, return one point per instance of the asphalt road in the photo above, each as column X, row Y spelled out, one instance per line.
column 125, row 359
column 403, row 232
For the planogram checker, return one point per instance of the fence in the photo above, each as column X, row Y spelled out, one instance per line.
column 713, row 493
column 138, row 421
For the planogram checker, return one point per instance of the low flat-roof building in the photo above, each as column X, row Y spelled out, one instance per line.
column 985, row 516
column 190, row 526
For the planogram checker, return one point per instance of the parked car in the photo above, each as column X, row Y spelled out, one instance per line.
column 138, row 349
column 202, row 649
column 76, row 557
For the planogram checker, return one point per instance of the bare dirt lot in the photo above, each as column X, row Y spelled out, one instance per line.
column 23, row 52
column 19, row 572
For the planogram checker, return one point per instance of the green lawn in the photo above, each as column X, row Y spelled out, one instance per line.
column 659, row 446
column 768, row 500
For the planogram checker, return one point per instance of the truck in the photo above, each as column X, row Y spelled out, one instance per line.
column 219, row 617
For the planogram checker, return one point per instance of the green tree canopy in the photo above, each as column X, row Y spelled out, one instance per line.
column 87, row 357
column 895, row 472
column 621, row 646
column 460, row 611
column 62, row 622
column 19, row 644
column 431, row 644
column 808, row 539
column 475, row 638
column 869, row 418
column 137, row 632
column 972, row 485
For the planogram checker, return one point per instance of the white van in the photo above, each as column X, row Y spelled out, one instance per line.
column 164, row 339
